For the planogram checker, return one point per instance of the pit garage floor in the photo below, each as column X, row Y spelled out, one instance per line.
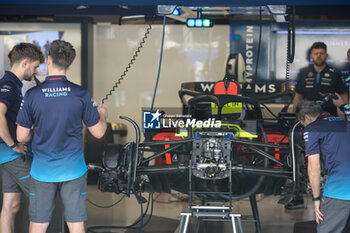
column 167, row 208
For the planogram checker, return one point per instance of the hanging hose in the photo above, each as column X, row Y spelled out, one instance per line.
column 150, row 202
column 143, row 40
column 91, row 229
column 160, row 64
column 294, row 159
column 141, row 221
column 261, row 179
column 107, row 206
column 290, row 42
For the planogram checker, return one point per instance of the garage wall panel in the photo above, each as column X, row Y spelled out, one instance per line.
column 12, row 33
column 189, row 55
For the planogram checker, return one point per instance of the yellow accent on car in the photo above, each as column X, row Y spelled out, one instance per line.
column 240, row 132
column 232, row 107
column 183, row 134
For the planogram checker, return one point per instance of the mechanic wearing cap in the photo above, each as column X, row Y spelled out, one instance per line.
column 327, row 136
column 318, row 80
column 24, row 60
column 56, row 109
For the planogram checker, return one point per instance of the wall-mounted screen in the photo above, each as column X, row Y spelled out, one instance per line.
column 338, row 43
column 273, row 47
column 42, row 39
column 41, row 34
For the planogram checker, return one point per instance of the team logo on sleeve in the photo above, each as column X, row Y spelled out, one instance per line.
column 151, row 120
column 93, row 103
column 5, row 88
column 306, row 136
column 22, row 102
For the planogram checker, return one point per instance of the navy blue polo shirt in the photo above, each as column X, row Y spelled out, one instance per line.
column 315, row 86
column 56, row 109
column 11, row 96
column 329, row 136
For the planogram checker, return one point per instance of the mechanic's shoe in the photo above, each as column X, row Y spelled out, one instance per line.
column 295, row 204
column 285, row 200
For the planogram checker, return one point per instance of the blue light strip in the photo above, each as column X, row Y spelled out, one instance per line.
column 316, row 32
column 190, row 23
column 177, row 11
column 199, row 23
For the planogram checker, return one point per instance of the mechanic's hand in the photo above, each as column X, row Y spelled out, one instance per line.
column 338, row 102
column 21, row 148
column 318, row 214
column 102, row 111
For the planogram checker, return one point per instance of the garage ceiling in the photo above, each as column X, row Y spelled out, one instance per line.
column 112, row 10
column 176, row 2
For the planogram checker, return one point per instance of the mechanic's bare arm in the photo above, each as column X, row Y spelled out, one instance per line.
column 314, row 170
column 345, row 97
column 338, row 102
column 24, row 134
column 5, row 132
column 98, row 130
column 4, row 129
column 297, row 98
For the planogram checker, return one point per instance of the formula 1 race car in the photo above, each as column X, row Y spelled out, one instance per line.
column 219, row 148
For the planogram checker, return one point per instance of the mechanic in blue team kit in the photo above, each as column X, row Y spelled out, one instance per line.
column 327, row 137
column 24, row 60
column 55, row 109
column 318, row 80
